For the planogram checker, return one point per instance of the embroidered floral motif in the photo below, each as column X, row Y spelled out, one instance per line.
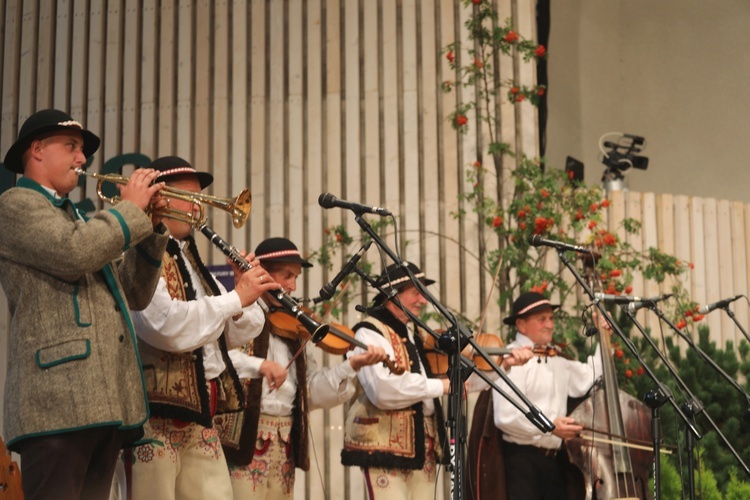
column 179, row 387
column 178, row 439
column 287, row 476
column 382, row 481
column 144, row 453
column 210, row 442
column 258, row 472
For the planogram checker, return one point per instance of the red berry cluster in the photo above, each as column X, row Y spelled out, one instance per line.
column 540, row 289
column 689, row 315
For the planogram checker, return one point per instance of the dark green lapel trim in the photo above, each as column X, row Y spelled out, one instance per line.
column 59, row 361
column 77, row 308
column 123, row 226
column 25, row 182
column 13, row 443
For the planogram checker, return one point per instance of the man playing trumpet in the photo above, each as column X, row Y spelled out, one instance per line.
column 184, row 335
column 74, row 392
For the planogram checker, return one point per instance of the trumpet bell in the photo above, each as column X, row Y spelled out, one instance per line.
column 238, row 208
column 241, row 209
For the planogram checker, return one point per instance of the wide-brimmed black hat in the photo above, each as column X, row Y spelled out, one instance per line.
column 395, row 277
column 279, row 250
column 528, row 303
column 43, row 122
column 172, row 166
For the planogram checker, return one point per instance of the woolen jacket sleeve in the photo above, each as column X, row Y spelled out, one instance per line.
column 68, row 251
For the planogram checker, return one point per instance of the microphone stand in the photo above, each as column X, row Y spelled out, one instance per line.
column 458, row 334
column 655, row 398
column 692, row 406
column 705, row 357
column 730, row 313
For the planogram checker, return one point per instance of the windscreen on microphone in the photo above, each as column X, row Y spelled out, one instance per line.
column 326, row 200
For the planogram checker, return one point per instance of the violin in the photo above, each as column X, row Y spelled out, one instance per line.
column 284, row 324
column 491, row 344
column 339, row 339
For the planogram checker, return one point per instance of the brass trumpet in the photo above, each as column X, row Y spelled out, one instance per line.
column 238, row 208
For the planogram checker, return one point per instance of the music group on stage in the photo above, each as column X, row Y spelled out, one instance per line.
column 123, row 346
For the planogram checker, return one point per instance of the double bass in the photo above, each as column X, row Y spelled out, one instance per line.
column 612, row 452
column 10, row 476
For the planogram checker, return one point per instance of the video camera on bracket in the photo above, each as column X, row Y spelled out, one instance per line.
column 621, row 154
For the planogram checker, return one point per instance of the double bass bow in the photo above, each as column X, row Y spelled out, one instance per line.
column 618, row 465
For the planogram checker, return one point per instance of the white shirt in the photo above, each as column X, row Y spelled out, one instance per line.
column 182, row 326
column 394, row 392
column 326, row 387
column 547, row 383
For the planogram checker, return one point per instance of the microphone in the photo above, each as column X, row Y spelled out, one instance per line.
column 634, row 306
column 718, row 305
column 537, row 240
column 330, row 288
column 617, row 299
column 327, row 200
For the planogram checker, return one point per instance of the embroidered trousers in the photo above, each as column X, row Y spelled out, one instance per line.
column 189, row 465
column 270, row 475
column 406, row 484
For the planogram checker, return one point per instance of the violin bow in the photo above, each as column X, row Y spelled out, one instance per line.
column 326, row 313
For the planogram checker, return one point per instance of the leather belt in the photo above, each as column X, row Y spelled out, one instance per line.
column 547, row 452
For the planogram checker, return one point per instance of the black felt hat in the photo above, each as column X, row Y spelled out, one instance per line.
column 279, row 250
column 172, row 166
column 43, row 122
column 528, row 303
column 395, row 277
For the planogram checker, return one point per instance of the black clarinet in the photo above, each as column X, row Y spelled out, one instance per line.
column 317, row 331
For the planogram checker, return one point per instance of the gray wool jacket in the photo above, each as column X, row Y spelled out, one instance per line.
column 73, row 361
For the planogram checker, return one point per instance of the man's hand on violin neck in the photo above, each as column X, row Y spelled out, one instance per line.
column 373, row 356
column 517, row 357
column 254, row 283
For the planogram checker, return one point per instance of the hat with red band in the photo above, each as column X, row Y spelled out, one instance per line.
column 527, row 304
column 279, row 250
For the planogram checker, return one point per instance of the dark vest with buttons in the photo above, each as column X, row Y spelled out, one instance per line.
column 391, row 438
column 176, row 382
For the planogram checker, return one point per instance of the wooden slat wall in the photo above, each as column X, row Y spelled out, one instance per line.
column 293, row 98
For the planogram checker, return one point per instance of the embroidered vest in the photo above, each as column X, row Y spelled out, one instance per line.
column 176, row 382
column 239, row 431
column 390, row 438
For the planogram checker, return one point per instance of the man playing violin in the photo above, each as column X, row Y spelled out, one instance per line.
column 74, row 389
column 394, row 427
column 269, row 440
column 184, row 337
column 534, row 466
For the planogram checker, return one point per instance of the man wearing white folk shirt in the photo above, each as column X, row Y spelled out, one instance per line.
column 532, row 468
